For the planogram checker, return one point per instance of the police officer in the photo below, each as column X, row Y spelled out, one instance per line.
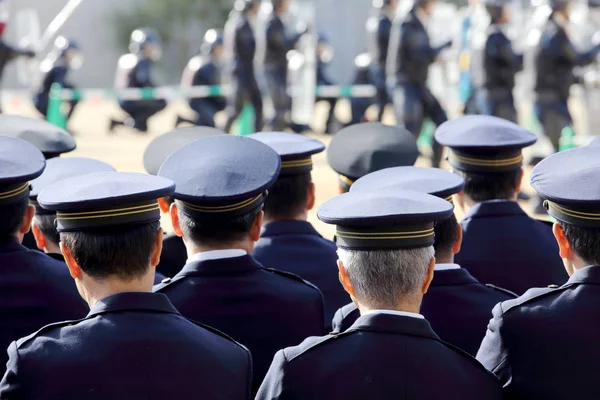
column 65, row 56
column 174, row 254
column 495, row 68
column 324, row 57
column 457, row 305
column 410, row 58
column 279, row 43
column 501, row 244
column 288, row 241
column 384, row 30
column 560, row 362
column 109, row 226
column 221, row 188
column 245, row 86
column 145, row 45
column 386, row 262
column 555, row 60
column 360, row 149
column 35, row 290
column 205, row 70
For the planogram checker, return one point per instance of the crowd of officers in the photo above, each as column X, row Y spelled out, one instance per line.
column 238, row 300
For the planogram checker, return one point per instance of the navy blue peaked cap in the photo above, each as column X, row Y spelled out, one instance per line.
column 58, row 169
column 49, row 139
column 433, row 181
column 105, row 200
column 20, row 162
column 296, row 151
column 480, row 143
column 569, row 182
column 360, row 149
column 163, row 146
column 222, row 176
column 385, row 220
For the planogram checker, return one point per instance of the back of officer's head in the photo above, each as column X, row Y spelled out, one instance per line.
column 485, row 186
column 448, row 239
column 44, row 225
column 15, row 220
column 290, row 198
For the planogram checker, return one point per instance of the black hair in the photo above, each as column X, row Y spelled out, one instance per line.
column 11, row 217
column 288, row 197
column 45, row 223
column 495, row 13
column 216, row 229
column 584, row 241
column 484, row 186
column 446, row 235
column 123, row 253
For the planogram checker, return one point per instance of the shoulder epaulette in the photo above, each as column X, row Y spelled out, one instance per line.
column 48, row 328
column 499, row 289
column 531, row 295
column 167, row 282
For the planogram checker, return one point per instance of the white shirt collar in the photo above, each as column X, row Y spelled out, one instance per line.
column 394, row 312
column 216, row 255
column 446, row 267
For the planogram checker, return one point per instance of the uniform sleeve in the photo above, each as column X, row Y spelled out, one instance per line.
column 568, row 54
column 11, row 386
column 338, row 320
column 273, row 386
column 493, row 354
column 506, row 54
column 417, row 44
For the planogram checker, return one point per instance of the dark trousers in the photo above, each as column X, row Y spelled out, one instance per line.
column 498, row 103
column 245, row 89
column 41, row 100
column 383, row 96
column 277, row 85
column 142, row 110
column 205, row 110
column 414, row 103
column 359, row 106
column 554, row 117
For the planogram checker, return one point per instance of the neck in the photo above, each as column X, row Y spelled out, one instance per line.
column 467, row 204
column 299, row 217
column 406, row 306
column 196, row 248
column 573, row 265
column 94, row 290
column 444, row 259
column 52, row 248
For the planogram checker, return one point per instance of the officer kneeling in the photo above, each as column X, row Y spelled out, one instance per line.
column 109, row 225
column 386, row 265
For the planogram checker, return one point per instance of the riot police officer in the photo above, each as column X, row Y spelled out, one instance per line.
column 384, row 30
column 205, row 70
column 65, row 56
column 495, row 66
column 555, row 60
column 245, row 86
column 145, row 45
column 410, row 58
column 276, row 65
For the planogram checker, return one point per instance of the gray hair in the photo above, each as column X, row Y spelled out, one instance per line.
column 384, row 277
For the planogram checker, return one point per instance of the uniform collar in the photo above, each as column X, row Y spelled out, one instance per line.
column 380, row 322
column 589, row 274
column 458, row 276
column 216, row 255
column 495, row 208
column 446, row 267
column 133, row 301
column 222, row 267
column 11, row 245
column 397, row 313
column 288, row 227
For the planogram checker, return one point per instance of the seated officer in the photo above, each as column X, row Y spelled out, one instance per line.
column 288, row 241
column 35, row 290
column 457, row 305
column 109, row 225
column 386, row 262
column 501, row 244
column 544, row 345
column 222, row 182
column 174, row 254
column 360, row 149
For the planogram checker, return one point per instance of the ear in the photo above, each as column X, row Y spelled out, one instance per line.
column 164, row 205
column 429, row 276
column 564, row 247
column 27, row 219
column 174, row 213
column 459, row 239
column 157, row 249
column 257, row 226
column 312, row 198
column 341, row 190
column 519, row 181
column 40, row 239
column 74, row 268
column 345, row 280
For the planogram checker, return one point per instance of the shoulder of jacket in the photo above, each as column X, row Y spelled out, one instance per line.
column 47, row 329
column 502, row 290
column 168, row 282
column 312, row 343
column 289, row 275
column 533, row 295
column 469, row 358
column 220, row 334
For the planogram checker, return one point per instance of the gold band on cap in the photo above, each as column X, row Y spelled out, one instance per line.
column 573, row 213
column 449, row 199
column 483, row 162
column 306, row 162
column 346, row 180
column 15, row 192
column 384, row 235
column 222, row 209
column 107, row 213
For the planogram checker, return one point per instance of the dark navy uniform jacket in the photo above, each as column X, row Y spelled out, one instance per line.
column 457, row 306
column 264, row 309
column 384, row 30
column 130, row 346
column 173, row 256
column 278, row 45
column 141, row 75
column 544, row 345
column 245, row 49
column 296, row 247
column 208, row 75
column 35, row 290
column 501, row 63
column 381, row 356
column 505, row 247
